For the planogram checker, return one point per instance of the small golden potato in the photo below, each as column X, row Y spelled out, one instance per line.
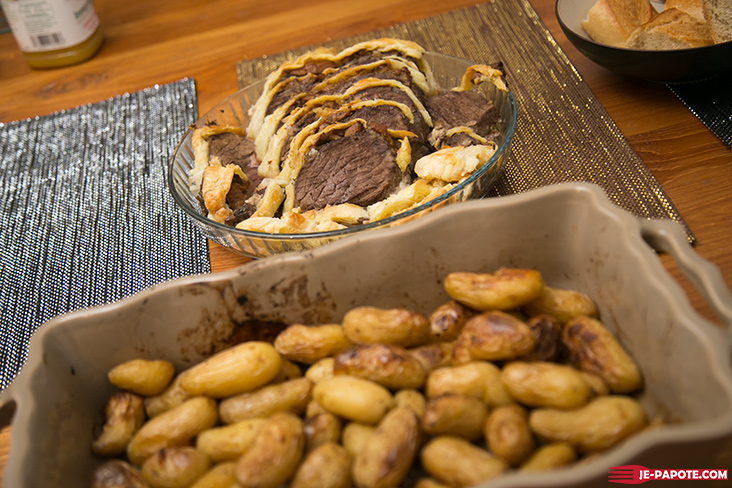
column 355, row 435
column 310, row 343
column 597, row 426
column 458, row 463
column 125, row 414
column 326, row 466
column 320, row 429
column 274, row 455
column 434, row 355
column 117, row 474
column 142, row 376
column 288, row 371
column 320, row 370
column 547, row 331
column 353, row 398
column 550, row 456
column 543, row 384
column 389, row 452
column 429, row 483
column 289, row 396
column 505, row 289
column 447, row 320
column 175, row 467
column 593, row 348
column 173, row 428
column 238, row 369
column 493, row 336
column 387, row 365
column 562, row 304
column 455, row 415
column 220, row 476
column 171, row 397
column 480, row 379
column 507, row 434
column 413, row 399
column 397, row 326
column 228, row 442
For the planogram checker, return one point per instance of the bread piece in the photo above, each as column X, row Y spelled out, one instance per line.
column 670, row 29
column 719, row 16
column 612, row 21
column 692, row 7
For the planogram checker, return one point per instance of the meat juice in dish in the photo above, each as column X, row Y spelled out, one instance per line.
column 339, row 139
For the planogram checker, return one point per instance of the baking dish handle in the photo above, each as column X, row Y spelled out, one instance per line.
column 7, row 406
column 667, row 236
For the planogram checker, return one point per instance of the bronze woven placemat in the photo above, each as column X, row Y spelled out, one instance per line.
column 563, row 133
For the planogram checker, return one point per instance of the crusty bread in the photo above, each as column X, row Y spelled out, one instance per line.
column 719, row 15
column 692, row 7
column 670, row 29
column 612, row 21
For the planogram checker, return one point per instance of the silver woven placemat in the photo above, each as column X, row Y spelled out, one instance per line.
column 563, row 132
column 85, row 214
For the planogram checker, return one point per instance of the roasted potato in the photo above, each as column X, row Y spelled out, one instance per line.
column 391, row 366
column 505, row 289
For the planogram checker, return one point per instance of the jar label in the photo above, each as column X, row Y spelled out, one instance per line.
column 47, row 25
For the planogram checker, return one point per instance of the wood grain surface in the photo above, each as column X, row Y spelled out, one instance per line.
column 157, row 42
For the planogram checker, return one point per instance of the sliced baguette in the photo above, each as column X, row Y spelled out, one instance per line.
column 694, row 8
column 719, row 16
column 670, row 29
column 612, row 21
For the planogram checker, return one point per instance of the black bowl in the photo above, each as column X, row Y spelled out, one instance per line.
column 675, row 66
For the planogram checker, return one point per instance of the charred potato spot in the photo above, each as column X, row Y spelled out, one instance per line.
column 389, row 397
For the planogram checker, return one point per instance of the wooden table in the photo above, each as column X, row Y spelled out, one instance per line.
column 163, row 41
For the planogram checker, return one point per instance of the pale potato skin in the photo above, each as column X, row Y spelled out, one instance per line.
column 544, row 384
column 594, row 349
column 493, row 336
column 507, row 434
column 396, row 326
column 275, row 454
column 146, row 377
column 447, row 320
column 413, row 399
column 176, row 427
column 429, row 483
column 353, row 398
column 561, row 303
column 327, row 466
column 289, row 396
column 228, row 442
column 458, row 463
column 288, row 371
column 310, row 343
column 220, row 476
column 238, row 369
column 125, row 414
column 389, row 452
column 455, row 415
column 505, row 289
column 175, row 467
column 550, row 456
column 599, row 425
column 391, row 366
column 480, row 379
column 117, row 474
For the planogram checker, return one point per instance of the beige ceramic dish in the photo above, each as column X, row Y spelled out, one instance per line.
column 570, row 232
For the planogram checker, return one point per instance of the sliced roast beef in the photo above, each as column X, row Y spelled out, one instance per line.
column 462, row 109
column 359, row 168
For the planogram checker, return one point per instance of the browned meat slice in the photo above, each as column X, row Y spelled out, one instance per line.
column 359, row 168
column 235, row 149
column 463, row 109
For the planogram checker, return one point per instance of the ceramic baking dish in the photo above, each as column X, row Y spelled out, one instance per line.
column 574, row 235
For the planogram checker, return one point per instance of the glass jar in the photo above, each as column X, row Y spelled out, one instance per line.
column 54, row 33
